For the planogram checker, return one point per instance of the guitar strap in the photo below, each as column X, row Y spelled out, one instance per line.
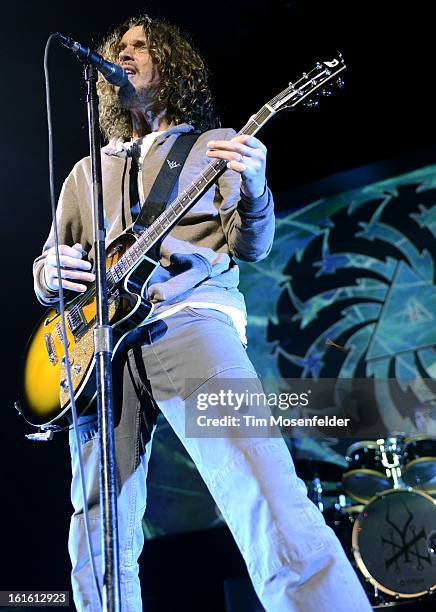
column 163, row 185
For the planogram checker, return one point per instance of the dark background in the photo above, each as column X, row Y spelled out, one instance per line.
column 384, row 114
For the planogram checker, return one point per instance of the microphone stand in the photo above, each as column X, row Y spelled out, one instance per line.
column 103, row 362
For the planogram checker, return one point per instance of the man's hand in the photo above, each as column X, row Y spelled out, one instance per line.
column 246, row 155
column 72, row 266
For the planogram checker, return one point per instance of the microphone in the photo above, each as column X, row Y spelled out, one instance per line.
column 114, row 74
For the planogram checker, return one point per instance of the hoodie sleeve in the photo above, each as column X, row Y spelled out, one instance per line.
column 248, row 223
column 70, row 231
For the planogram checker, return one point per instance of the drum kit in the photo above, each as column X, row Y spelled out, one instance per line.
column 382, row 507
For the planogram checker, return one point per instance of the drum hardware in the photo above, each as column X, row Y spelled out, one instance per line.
column 368, row 475
column 341, row 517
column 392, row 467
column 315, row 493
column 339, row 510
column 317, row 473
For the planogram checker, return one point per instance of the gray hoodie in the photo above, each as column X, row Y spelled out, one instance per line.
column 197, row 256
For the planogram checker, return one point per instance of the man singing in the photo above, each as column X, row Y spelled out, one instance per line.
column 196, row 332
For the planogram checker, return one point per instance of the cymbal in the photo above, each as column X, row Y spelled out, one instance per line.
column 308, row 469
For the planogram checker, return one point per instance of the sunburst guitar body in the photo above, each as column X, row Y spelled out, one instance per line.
column 45, row 398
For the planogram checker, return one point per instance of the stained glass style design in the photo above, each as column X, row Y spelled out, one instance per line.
column 356, row 269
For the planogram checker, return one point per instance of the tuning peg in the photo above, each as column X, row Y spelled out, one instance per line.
column 340, row 83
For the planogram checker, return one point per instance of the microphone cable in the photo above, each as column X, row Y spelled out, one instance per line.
column 62, row 315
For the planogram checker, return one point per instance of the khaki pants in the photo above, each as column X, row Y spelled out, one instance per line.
column 294, row 560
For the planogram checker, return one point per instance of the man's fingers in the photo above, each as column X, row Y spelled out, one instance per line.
column 231, row 145
column 238, row 152
column 227, row 155
column 236, row 166
column 75, row 274
column 73, row 268
column 250, row 141
column 245, row 155
column 75, row 251
column 66, row 284
column 245, row 143
column 68, row 261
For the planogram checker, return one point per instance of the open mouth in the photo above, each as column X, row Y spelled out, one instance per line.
column 129, row 70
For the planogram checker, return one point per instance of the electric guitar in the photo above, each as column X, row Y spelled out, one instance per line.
column 44, row 395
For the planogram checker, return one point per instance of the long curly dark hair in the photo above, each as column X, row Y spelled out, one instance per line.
column 183, row 88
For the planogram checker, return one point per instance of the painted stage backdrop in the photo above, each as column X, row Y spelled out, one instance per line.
column 357, row 269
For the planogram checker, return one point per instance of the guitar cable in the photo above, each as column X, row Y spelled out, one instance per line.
column 62, row 315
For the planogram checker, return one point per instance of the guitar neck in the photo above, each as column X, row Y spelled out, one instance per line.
column 163, row 224
column 297, row 93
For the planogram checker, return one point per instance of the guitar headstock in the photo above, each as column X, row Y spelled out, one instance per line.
column 320, row 81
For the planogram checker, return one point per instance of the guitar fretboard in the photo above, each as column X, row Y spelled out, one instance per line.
column 180, row 206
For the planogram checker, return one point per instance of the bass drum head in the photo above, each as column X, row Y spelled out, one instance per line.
column 392, row 543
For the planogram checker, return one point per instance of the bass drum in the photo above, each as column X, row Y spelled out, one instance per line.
column 419, row 457
column 394, row 543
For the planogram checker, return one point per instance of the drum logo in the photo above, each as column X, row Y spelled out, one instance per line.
column 403, row 541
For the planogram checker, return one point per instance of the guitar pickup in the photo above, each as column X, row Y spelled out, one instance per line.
column 75, row 319
column 50, row 349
